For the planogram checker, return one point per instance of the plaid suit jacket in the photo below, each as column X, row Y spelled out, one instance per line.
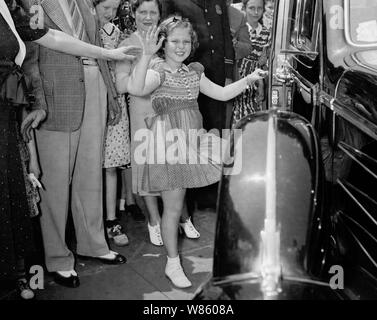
column 57, row 79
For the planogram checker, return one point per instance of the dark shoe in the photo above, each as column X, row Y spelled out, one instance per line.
column 206, row 206
column 116, row 233
column 24, row 290
column 135, row 212
column 118, row 259
column 70, row 282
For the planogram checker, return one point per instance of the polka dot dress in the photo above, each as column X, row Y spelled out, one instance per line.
column 15, row 223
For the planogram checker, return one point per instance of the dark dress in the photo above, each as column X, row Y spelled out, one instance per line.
column 15, row 223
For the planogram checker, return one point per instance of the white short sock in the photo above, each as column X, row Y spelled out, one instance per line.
column 111, row 255
column 173, row 261
column 67, row 274
column 122, row 204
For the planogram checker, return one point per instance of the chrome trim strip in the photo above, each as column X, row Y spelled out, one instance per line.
column 270, row 235
column 360, row 64
column 297, row 21
column 308, row 281
column 343, row 146
column 302, row 80
column 300, row 62
column 315, row 31
column 360, row 153
column 362, row 124
column 254, row 278
column 361, row 246
column 349, row 193
column 359, row 226
column 251, row 276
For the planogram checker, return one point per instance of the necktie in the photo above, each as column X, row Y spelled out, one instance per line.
column 77, row 21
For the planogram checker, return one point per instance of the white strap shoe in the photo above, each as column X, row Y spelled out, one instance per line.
column 189, row 229
column 155, row 235
column 177, row 276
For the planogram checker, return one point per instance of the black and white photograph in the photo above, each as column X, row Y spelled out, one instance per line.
column 188, row 155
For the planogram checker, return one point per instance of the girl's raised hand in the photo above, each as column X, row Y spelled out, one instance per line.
column 150, row 42
column 258, row 74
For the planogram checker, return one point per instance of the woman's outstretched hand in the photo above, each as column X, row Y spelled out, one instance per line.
column 150, row 42
column 122, row 53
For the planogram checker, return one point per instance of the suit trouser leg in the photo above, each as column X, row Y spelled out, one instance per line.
column 57, row 152
column 87, row 201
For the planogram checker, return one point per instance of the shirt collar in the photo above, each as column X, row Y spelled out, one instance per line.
column 183, row 67
column 257, row 30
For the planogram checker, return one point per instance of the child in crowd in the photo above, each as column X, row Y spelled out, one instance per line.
column 125, row 21
column 146, row 13
column 251, row 100
column 174, row 89
column 117, row 141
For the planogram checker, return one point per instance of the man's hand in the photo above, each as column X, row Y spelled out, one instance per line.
column 122, row 53
column 32, row 121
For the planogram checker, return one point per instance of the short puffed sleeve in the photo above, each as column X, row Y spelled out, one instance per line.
column 157, row 65
column 197, row 67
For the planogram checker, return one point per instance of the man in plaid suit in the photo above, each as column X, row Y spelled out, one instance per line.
column 75, row 92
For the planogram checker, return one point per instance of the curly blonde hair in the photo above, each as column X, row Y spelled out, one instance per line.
column 173, row 22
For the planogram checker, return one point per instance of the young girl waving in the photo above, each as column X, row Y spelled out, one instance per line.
column 174, row 89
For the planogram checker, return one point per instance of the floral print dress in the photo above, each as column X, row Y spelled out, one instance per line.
column 117, row 141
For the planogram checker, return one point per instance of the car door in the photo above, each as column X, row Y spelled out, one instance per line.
column 296, row 59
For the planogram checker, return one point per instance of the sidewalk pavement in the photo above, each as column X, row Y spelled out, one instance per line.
column 142, row 277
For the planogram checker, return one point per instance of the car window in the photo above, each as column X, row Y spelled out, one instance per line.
column 303, row 21
column 363, row 21
column 368, row 58
column 308, row 19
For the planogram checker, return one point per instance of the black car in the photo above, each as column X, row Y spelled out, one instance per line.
column 300, row 219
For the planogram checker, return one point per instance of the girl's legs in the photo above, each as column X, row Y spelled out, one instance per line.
column 173, row 205
column 127, row 201
column 151, row 203
column 186, row 225
column 185, row 215
column 111, row 193
column 113, row 227
column 123, row 191
column 154, row 220
column 127, row 186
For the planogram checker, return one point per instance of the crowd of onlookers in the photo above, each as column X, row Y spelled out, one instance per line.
column 95, row 74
